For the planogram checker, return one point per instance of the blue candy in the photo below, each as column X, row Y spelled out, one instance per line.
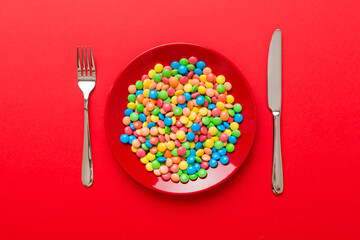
column 222, row 151
column 232, row 139
column 211, row 106
column 238, row 118
column 131, row 138
column 124, row 138
column 213, row 163
column 195, row 127
column 182, row 106
column 168, row 121
column 224, row 160
column 190, row 136
column 187, row 96
column 182, row 70
column 128, row 111
column 215, row 155
column 175, row 65
column 200, row 100
column 221, row 127
column 132, row 126
column 138, row 92
column 198, row 145
column 191, row 170
column 226, row 124
column 192, row 152
column 161, row 159
column 148, row 144
column 161, row 116
column 198, row 71
column 153, row 94
column 200, row 64
column 197, row 166
column 142, row 117
column 151, row 124
column 190, row 159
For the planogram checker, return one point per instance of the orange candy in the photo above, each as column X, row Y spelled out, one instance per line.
column 227, row 86
column 175, row 159
column 175, row 177
column 150, row 106
column 167, row 153
column 140, row 98
column 173, row 81
column 126, row 121
column 136, row 143
column 153, row 150
column 137, row 124
column 144, row 131
column 222, row 98
column 132, row 89
column 224, row 116
column 210, row 77
column 206, row 71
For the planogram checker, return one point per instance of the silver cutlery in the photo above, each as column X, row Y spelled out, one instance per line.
column 274, row 77
column 86, row 82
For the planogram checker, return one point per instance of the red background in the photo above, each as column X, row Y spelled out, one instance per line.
column 41, row 120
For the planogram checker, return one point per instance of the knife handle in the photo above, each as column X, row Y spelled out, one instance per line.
column 277, row 172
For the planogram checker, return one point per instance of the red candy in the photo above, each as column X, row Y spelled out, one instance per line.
column 166, row 177
column 167, row 106
column 181, row 99
column 140, row 153
column 216, row 112
column 144, row 77
column 193, row 60
column 181, row 151
column 184, row 80
column 204, row 165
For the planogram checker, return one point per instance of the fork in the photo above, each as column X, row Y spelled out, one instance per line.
column 86, row 84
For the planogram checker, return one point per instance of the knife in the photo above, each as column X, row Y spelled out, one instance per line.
column 274, row 103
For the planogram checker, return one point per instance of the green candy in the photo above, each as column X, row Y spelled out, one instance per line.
column 148, row 137
column 155, row 164
column 163, row 94
column 132, row 98
column 218, row 145
column 156, row 111
column 206, row 120
column 134, row 116
column 179, row 172
column 190, row 67
column 193, row 176
column 211, row 125
column 159, row 154
column 139, row 84
column 178, row 76
column 208, row 99
column 198, row 159
column 157, row 77
column 166, row 73
column 194, row 88
column 140, row 108
column 184, row 178
column 186, row 145
column 217, row 120
column 202, row 173
column 220, row 88
column 177, row 111
column 174, row 152
column 231, row 112
column 143, row 146
column 237, row 108
column 167, row 129
column 174, row 72
column 187, row 153
column 184, row 61
column 167, row 100
column 236, row 133
column 230, row 147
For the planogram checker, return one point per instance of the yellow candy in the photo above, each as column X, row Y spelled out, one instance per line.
column 131, row 105
column 173, row 118
column 187, row 87
column 192, row 116
column 203, row 78
column 161, row 147
column 180, row 135
column 155, row 119
column 220, row 79
column 230, row 99
column 151, row 73
column 174, row 100
column 189, row 124
column 227, row 132
column 170, row 145
column 200, row 152
column 179, row 92
column 144, row 124
column 147, row 83
column 150, row 156
column 214, row 139
column 146, row 92
column 183, row 165
column 161, row 130
column 234, row 126
column 220, row 105
column 203, row 111
column 184, row 120
column 209, row 143
column 213, row 131
column 158, row 68
column 133, row 149
column 202, row 90
column 192, row 145
column 209, row 85
column 195, row 109
column 144, row 160
column 149, row 167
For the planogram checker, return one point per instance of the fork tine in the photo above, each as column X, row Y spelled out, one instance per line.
column 83, row 62
column 78, row 63
column 87, row 62
column 92, row 63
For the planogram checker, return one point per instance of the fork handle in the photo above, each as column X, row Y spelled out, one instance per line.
column 277, row 171
column 87, row 167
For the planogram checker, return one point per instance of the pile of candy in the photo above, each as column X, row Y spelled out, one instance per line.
column 180, row 120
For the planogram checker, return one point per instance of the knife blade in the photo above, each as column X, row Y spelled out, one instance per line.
column 274, row 88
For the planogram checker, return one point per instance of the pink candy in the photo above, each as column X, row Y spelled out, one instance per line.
column 140, row 153
column 181, row 151
column 216, row 112
column 223, row 137
column 167, row 106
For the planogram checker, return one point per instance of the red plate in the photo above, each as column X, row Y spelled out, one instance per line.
column 165, row 54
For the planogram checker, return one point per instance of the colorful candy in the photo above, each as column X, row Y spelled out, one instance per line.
column 180, row 120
